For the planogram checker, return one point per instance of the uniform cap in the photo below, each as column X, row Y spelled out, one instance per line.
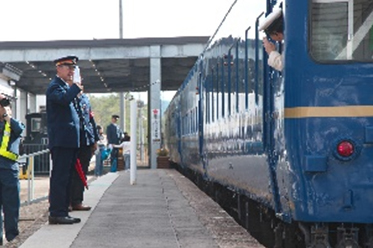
column 270, row 19
column 115, row 116
column 68, row 60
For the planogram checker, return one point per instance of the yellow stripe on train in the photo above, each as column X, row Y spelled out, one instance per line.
column 340, row 111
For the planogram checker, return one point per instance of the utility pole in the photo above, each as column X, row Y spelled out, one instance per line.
column 121, row 94
column 120, row 20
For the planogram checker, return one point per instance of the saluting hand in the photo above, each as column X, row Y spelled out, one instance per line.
column 268, row 46
column 80, row 86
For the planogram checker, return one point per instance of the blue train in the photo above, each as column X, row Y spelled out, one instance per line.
column 290, row 152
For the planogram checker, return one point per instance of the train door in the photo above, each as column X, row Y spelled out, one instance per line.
column 179, row 133
column 199, row 119
column 271, row 110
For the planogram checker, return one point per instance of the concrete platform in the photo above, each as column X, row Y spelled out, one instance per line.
column 154, row 212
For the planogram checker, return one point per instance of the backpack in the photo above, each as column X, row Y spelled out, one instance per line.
column 105, row 154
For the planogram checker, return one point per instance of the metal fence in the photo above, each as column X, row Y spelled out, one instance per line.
column 27, row 164
column 42, row 161
column 35, row 167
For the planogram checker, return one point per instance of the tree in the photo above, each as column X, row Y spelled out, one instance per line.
column 104, row 107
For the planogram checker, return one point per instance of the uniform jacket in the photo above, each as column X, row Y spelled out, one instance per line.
column 62, row 118
column 90, row 135
column 16, row 130
column 113, row 134
column 276, row 60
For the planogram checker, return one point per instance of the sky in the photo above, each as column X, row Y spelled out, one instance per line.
column 45, row 20
column 39, row 20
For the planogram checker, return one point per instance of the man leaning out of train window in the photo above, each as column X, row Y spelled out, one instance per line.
column 273, row 26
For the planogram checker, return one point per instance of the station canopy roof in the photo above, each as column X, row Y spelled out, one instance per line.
column 101, row 74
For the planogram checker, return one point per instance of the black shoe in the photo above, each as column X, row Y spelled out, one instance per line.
column 1, row 241
column 76, row 220
column 81, row 207
column 64, row 220
column 11, row 237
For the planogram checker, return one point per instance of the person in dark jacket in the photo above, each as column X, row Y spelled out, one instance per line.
column 113, row 135
column 10, row 135
column 64, row 138
column 88, row 145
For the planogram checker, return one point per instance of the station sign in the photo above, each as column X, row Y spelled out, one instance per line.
column 156, row 125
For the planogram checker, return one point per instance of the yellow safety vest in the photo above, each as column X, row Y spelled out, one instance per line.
column 4, row 144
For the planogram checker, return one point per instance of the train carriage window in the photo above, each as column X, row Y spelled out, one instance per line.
column 187, row 124
column 213, row 96
column 182, row 126
column 207, row 101
column 240, row 72
column 196, row 119
column 222, row 88
column 341, row 30
column 228, row 76
column 236, row 76
column 183, row 123
column 210, row 98
column 195, row 113
column 45, row 141
column 218, row 107
column 191, row 121
column 35, row 124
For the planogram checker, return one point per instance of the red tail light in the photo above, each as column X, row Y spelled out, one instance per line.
column 345, row 148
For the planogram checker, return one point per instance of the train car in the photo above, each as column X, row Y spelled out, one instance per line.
column 36, row 140
column 290, row 152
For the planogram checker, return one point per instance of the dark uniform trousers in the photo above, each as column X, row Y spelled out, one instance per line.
column 9, row 197
column 64, row 160
column 77, row 187
column 114, row 159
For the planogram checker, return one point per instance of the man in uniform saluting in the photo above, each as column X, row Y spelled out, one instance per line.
column 64, row 138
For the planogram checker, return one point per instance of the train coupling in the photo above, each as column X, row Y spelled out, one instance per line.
column 319, row 237
column 347, row 237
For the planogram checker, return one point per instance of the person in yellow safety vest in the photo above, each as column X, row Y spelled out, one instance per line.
column 10, row 135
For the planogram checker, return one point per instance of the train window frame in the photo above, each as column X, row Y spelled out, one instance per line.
column 228, row 58
column 217, row 91
column 207, row 101
column 196, row 121
column 350, row 42
column 246, row 68
column 210, row 90
column 36, row 124
column 236, row 76
column 222, row 88
column 45, row 141
column 349, row 28
column 212, row 96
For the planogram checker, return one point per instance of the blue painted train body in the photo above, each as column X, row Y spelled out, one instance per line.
column 297, row 142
